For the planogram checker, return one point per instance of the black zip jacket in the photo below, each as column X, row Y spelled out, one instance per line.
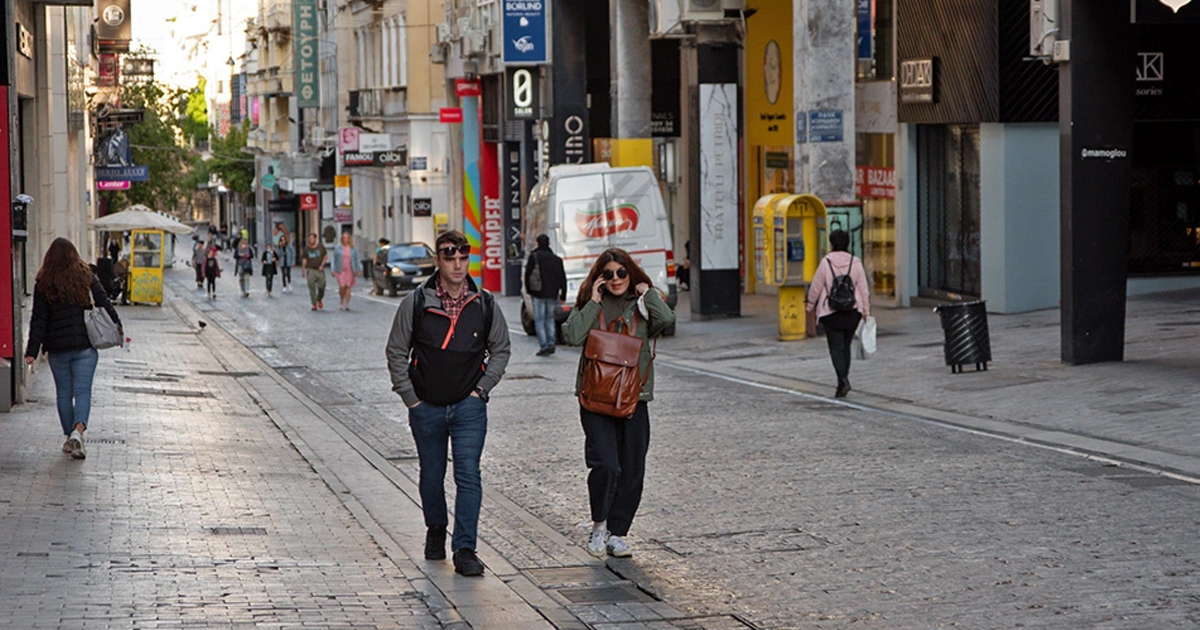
column 554, row 278
column 58, row 327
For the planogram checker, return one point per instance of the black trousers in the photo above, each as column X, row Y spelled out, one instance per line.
column 287, row 275
column 839, row 332
column 615, row 451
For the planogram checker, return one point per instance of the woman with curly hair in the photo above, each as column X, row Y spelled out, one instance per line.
column 64, row 289
column 615, row 448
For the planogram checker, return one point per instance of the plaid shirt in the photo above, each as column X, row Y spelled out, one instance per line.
column 452, row 306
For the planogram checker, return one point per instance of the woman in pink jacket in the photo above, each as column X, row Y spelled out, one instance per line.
column 836, row 309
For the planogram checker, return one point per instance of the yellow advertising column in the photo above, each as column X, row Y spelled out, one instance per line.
column 770, row 128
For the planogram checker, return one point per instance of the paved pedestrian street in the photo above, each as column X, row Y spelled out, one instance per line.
column 259, row 473
column 192, row 509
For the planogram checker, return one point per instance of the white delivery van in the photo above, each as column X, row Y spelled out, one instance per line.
column 587, row 208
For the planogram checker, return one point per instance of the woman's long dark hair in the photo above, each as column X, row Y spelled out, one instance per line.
column 64, row 277
column 636, row 274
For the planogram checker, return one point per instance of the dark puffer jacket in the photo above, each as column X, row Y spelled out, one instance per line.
column 59, row 327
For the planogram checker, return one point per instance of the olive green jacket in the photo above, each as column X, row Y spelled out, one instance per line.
column 575, row 329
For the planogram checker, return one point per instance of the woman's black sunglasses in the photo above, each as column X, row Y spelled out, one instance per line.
column 448, row 252
column 622, row 273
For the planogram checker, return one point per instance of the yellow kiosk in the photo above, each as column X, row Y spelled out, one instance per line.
column 789, row 241
column 146, row 267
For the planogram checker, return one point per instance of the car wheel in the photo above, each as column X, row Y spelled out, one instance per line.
column 527, row 321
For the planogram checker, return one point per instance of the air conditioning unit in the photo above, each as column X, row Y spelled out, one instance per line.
column 437, row 54
column 668, row 18
column 443, row 33
column 474, row 42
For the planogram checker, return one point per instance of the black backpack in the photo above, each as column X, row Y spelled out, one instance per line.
column 535, row 275
column 841, row 290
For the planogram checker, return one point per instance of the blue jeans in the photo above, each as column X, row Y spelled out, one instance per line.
column 464, row 426
column 543, row 321
column 73, row 371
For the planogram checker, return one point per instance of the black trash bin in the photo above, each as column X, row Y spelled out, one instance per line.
column 966, row 328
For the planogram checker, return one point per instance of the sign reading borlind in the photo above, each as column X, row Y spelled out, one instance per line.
column 308, row 82
column 525, row 32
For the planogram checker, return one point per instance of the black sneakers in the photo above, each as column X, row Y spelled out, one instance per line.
column 467, row 563
column 435, row 543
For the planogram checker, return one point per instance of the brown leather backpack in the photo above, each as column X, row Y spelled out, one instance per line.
column 611, row 384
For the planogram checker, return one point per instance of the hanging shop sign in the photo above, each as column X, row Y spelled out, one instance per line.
column 524, row 24
column 422, row 207
column 917, row 81
column 341, row 192
column 875, row 182
column 452, row 115
column 522, row 92
column 309, row 201
column 1166, row 11
column 113, row 28
column 307, row 76
column 123, row 173
column 112, row 185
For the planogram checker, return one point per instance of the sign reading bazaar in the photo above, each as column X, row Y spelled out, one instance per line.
column 597, row 224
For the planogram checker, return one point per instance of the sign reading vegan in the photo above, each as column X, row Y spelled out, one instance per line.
column 525, row 32
column 308, row 81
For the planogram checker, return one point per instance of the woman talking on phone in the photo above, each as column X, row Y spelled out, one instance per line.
column 615, row 448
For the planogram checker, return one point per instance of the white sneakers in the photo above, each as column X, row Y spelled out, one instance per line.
column 76, row 444
column 617, row 547
column 598, row 545
column 602, row 543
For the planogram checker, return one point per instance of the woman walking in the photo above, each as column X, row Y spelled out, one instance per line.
column 615, row 448
column 212, row 271
column 270, row 260
column 64, row 289
column 287, row 259
column 837, row 311
column 344, row 257
column 244, row 263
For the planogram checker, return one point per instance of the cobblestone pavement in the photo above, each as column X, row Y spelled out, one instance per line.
column 771, row 506
column 191, row 510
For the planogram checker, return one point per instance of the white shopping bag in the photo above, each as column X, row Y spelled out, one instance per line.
column 864, row 338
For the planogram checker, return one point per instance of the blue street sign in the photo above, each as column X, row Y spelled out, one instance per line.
column 825, row 125
column 123, row 173
column 866, row 26
column 525, row 32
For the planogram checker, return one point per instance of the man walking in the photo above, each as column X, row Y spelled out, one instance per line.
column 546, row 283
column 448, row 348
column 315, row 258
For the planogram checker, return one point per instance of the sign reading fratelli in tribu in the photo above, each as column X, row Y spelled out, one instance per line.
column 308, row 77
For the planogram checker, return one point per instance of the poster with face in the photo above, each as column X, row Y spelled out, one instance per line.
column 772, row 69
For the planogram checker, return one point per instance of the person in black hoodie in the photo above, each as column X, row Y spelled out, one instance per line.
column 546, row 284
column 66, row 287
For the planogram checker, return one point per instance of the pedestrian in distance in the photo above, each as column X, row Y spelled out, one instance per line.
column 447, row 350
column 287, row 260
column 243, row 258
column 114, row 248
column 199, row 250
column 212, row 271
column 313, row 270
column 64, row 289
column 379, row 279
column 270, row 262
column 546, row 284
column 345, row 256
column 615, row 448
column 840, row 297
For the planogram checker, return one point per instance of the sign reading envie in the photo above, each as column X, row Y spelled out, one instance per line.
column 308, row 82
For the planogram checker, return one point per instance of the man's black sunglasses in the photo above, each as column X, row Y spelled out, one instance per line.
column 622, row 273
column 449, row 250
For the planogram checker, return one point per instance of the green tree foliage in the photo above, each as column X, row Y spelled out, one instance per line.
column 230, row 162
column 193, row 119
column 157, row 142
